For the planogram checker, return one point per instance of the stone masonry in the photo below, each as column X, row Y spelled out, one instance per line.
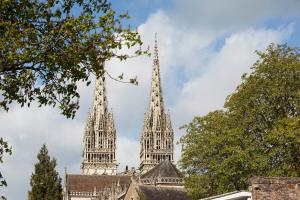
column 277, row 188
column 157, row 135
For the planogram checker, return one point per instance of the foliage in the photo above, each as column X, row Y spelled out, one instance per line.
column 47, row 46
column 45, row 182
column 257, row 134
column 4, row 149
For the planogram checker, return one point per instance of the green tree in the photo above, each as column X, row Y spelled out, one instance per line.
column 45, row 182
column 256, row 134
column 47, row 46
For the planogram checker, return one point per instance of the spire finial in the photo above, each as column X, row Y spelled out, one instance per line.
column 155, row 37
column 156, row 99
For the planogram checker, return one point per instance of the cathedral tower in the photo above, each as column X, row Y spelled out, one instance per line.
column 157, row 134
column 99, row 142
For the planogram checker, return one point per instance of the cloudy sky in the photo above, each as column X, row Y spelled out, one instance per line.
column 204, row 48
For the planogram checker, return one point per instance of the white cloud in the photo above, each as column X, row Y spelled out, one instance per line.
column 128, row 153
column 229, row 15
column 26, row 130
column 208, row 91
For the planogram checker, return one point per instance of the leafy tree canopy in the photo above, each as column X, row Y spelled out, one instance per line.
column 47, row 46
column 257, row 134
column 45, row 182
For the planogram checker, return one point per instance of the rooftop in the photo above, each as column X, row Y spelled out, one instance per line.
column 90, row 183
column 151, row 192
column 165, row 169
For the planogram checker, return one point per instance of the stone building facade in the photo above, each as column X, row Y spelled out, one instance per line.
column 275, row 188
column 265, row 188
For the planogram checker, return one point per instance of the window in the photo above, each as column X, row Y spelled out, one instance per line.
column 110, row 144
column 147, row 144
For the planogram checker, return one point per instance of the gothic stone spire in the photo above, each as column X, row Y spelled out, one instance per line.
column 156, row 98
column 100, row 136
column 157, row 134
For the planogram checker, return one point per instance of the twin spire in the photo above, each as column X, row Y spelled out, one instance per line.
column 100, row 133
column 100, row 100
column 99, row 153
column 157, row 134
column 156, row 98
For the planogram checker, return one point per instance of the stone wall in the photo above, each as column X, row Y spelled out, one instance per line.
column 280, row 188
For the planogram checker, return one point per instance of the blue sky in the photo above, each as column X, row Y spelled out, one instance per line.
column 204, row 48
column 140, row 10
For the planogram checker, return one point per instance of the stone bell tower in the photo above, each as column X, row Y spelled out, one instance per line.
column 157, row 134
column 99, row 142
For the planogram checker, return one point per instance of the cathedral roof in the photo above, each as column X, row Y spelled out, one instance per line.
column 151, row 192
column 90, row 183
column 163, row 169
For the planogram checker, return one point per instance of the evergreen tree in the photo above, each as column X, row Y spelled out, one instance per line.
column 45, row 182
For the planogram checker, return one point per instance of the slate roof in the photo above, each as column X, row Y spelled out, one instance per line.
column 163, row 193
column 163, row 169
column 87, row 183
